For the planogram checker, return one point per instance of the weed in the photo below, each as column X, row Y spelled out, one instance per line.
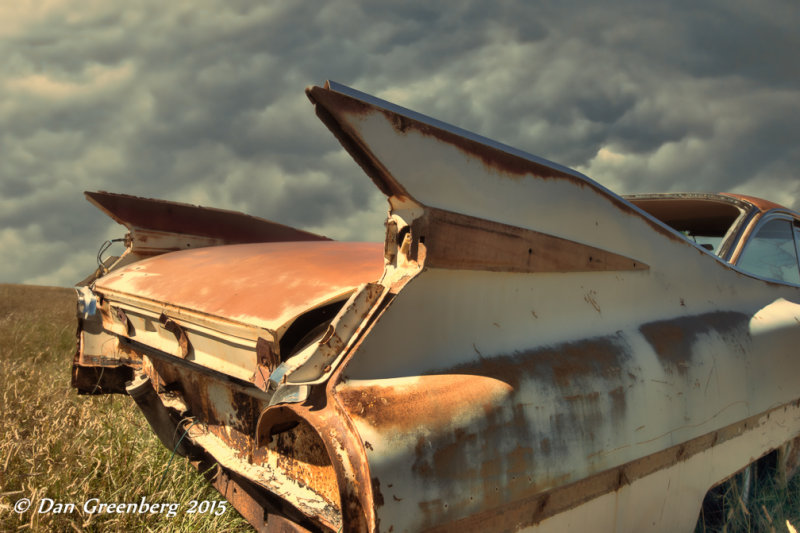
column 754, row 501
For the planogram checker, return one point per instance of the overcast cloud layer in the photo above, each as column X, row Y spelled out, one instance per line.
column 203, row 102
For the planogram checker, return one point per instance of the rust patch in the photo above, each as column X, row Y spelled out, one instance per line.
column 345, row 104
column 494, row 159
column 760, row 203
column 332, row 108
column 377, row 497
column 180, row 335
column 447, row 460
column 591, row 397
column 544, row 445
column 337, row 436
column 437, row 400
column 265, row 355
column 530, row 510
column 173, row 217
column 232, row 418
column 266, row 284
column 520, row 459
column 123, row 319
column 494, row 453
column 591, row 299
column 477, row 459
column 264, row 513
column 456, row 241
column 673, row 340
column 618, row 401
column 326, row 106
column 261, row 377
column 302, row 456
column 562, row 364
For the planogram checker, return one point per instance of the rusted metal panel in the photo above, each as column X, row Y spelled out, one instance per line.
column 468, row 174
column 340, row 107
column 451, row 240
column 529, row 352
column 481, row 323
column 259, row 289
column 760, row 203
column 160, row 217
column 342, row 444
column 262, row 285
column 253, row 505
column 180, row 335
column 315, row 364
column 594, row 403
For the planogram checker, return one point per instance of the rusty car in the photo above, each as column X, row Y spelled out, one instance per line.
column 527, row 350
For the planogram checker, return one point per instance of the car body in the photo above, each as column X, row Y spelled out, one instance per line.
column 526, row 351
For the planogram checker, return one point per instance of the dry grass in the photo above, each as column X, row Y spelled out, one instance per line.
column 768, row 506
column 55, row 444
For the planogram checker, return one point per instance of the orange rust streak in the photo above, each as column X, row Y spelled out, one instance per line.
column 301, row 455
column 336, row 110
column 174, row 217
column 760, row 203
column 270, row 282
column 530, row 510
column 430, row 400
column 329, row 107
column 460, row 241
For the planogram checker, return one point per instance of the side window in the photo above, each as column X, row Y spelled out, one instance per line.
column 771, row 253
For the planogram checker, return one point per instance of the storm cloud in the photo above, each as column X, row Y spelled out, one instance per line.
column 203, row 103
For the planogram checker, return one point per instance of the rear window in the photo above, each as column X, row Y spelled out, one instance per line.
column 702, row 220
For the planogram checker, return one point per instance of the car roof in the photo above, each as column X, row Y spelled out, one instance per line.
column 740, row 200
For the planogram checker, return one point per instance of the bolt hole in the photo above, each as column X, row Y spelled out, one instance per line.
column 402, row 235
column 530, row 250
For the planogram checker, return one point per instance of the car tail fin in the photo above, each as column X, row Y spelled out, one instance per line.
column 158, row 226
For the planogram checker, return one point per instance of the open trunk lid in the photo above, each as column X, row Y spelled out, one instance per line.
column 221, row 300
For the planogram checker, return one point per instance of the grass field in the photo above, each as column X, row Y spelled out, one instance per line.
column 68, row 448
column 769, row 506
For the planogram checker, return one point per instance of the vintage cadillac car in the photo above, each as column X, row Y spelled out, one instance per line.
column 526, row 351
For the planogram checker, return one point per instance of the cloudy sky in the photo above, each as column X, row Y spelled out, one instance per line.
column 203, row 102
